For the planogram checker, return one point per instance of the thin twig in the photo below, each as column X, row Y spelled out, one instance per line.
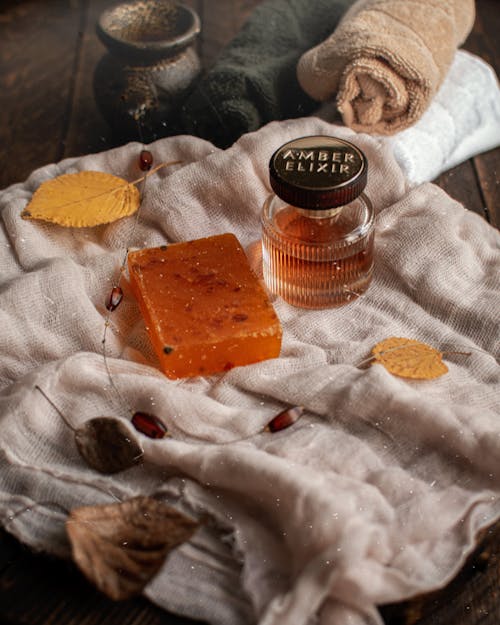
column 154, row 170
column 117, row 283
column 59, row 412
column 409, row 345
column 46, row 504
column 108, row 370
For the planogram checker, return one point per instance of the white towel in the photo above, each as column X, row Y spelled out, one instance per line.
column 462, row 121
column 375, row 495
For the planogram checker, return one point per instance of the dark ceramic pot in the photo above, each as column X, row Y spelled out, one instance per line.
column 151, row 63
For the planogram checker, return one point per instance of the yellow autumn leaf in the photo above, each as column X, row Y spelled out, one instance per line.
column 408, row 358
column 87, row 198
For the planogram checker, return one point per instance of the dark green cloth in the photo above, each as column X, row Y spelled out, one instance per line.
column 254, row 79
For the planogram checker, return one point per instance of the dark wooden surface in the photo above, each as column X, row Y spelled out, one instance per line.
column 48, row 51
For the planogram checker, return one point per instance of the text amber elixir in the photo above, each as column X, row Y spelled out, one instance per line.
column 317, row 239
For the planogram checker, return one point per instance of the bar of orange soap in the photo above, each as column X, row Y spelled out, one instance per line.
column 204, row 308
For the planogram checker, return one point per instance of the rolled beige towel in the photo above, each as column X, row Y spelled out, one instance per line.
column 386, row 60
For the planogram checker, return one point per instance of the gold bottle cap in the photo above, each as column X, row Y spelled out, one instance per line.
column 318, row 172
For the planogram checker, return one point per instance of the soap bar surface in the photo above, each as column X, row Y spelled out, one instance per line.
column 204, row 308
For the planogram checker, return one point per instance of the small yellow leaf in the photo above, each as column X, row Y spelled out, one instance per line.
column 87, row 198
column 408, row 358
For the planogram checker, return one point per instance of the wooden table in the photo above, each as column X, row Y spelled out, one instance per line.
column 48, row 52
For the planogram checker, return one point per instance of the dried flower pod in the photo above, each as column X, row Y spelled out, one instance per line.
column 114, row 299
column 149, row 425
column 120, row 547
column 107, row 445
column 145, row 160
column 285, row 419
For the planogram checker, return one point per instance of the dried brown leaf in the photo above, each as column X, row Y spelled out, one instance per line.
column 107, row 445
column 120, row 547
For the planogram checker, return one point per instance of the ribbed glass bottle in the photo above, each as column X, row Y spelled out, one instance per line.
column 318, row 254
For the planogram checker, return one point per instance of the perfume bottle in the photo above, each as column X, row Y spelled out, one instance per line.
column 317, row 226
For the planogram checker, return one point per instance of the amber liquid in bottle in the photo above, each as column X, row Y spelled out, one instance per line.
column 317, row 258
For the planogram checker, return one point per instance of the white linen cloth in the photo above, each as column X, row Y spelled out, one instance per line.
column 463, row 120
column 374, row 495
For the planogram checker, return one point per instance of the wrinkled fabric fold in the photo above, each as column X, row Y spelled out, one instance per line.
column 386, row 60
column 376, row 494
